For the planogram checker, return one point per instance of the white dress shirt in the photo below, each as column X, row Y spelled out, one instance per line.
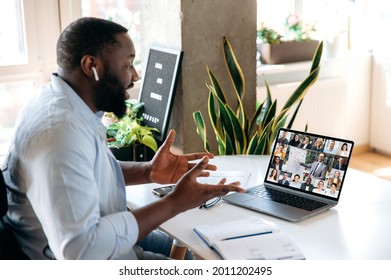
column 66, row 189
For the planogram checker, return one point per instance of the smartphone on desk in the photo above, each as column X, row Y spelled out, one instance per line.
column 162, row 191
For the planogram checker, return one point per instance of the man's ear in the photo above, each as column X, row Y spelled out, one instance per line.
column 91, row 67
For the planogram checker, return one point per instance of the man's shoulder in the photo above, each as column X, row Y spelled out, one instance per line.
column 50, row 115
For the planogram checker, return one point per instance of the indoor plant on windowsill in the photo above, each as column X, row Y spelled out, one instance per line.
column 295, row 46
column 235, row 132
column 127, row 138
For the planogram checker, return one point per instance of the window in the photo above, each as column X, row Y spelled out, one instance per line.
column 124, row 12
column 27, row 57
column 12, row 31
column 340, row 23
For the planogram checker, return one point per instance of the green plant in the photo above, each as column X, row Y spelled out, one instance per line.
column 296, row 30
column 128, row 131
column 268, row 35
column 235, row 132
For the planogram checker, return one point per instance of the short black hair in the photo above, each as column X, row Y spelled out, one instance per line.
column 87, row 35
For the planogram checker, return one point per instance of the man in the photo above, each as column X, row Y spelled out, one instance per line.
column 284, row 181
column 283, row 139
column 341, row 165
column 66, row 190
column 318, row 168
column 307, row 186
column 331, row 148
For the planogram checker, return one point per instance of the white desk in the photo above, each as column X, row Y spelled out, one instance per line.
column 358, row 227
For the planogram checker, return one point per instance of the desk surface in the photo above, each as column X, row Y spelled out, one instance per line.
column 357, row 228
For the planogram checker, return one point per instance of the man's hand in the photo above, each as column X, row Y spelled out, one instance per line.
column 187, row 194
column 167, row 167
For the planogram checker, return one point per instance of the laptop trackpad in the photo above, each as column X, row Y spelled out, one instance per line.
column 238, row 197
column 257, row 203
column 266, row 206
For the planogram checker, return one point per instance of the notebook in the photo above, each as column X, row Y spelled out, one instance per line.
column 305, row 176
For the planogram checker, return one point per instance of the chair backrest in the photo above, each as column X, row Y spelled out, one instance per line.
column 9, row 248
column 158, row 88
column 3, row 196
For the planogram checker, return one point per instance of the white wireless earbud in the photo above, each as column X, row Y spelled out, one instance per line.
column 95, row 73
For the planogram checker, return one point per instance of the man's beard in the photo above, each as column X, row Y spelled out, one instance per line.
column 110, row 95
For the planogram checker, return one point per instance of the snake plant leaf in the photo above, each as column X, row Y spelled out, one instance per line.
column 150, row 142
column 234, row 69
column 267, row 104
column 214, row 118
column 317, row 57
column 221, row 145
column 225, row 120
column 248, row 131
column 255, row 118
column 216, row 124
column 240, row 136
column 200, row 124
column 282, row 114
column 234, row 132
column 270, row 114
column 253, row 144
column 229, row 147
column 215, row 85
column 237, row 78
column 302, row 89
column 294, row 114
column 262, row 144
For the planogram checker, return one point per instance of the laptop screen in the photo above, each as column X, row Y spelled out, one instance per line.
column 309, row 163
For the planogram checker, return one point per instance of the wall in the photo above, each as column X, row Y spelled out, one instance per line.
column 355, row 68
column 197, row 27
column 381, row 105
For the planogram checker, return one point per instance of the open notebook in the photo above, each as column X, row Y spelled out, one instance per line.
column 248, row 238
column 305, row 176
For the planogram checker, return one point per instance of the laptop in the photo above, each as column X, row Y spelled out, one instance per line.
column 305, row 176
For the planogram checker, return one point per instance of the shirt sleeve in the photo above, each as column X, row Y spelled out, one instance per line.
column 68, row 202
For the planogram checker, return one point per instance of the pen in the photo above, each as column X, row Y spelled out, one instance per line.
column 247, row 235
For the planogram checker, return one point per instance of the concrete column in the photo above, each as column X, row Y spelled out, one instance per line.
column 197, row 27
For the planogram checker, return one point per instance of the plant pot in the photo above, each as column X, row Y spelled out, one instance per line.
column 142, row 153
column 287, row 52
column 123, row 154
column 136, row 152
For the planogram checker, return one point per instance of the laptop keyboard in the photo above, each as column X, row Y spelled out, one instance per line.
column 286, row 198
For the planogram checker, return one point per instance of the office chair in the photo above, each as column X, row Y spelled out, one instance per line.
column 9, row 247
column 158, row 89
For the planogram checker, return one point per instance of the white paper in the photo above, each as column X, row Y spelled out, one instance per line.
column 231, row 176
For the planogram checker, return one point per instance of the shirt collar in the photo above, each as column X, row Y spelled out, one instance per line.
column 80, row 106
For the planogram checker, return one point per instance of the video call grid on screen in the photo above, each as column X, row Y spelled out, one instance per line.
column 296, row 153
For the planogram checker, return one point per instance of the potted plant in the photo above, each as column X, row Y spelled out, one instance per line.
column 296, row 45
column 268, row 35
column 127, row 138
column 235, row 132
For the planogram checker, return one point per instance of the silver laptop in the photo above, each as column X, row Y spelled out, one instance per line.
column 305, row 176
